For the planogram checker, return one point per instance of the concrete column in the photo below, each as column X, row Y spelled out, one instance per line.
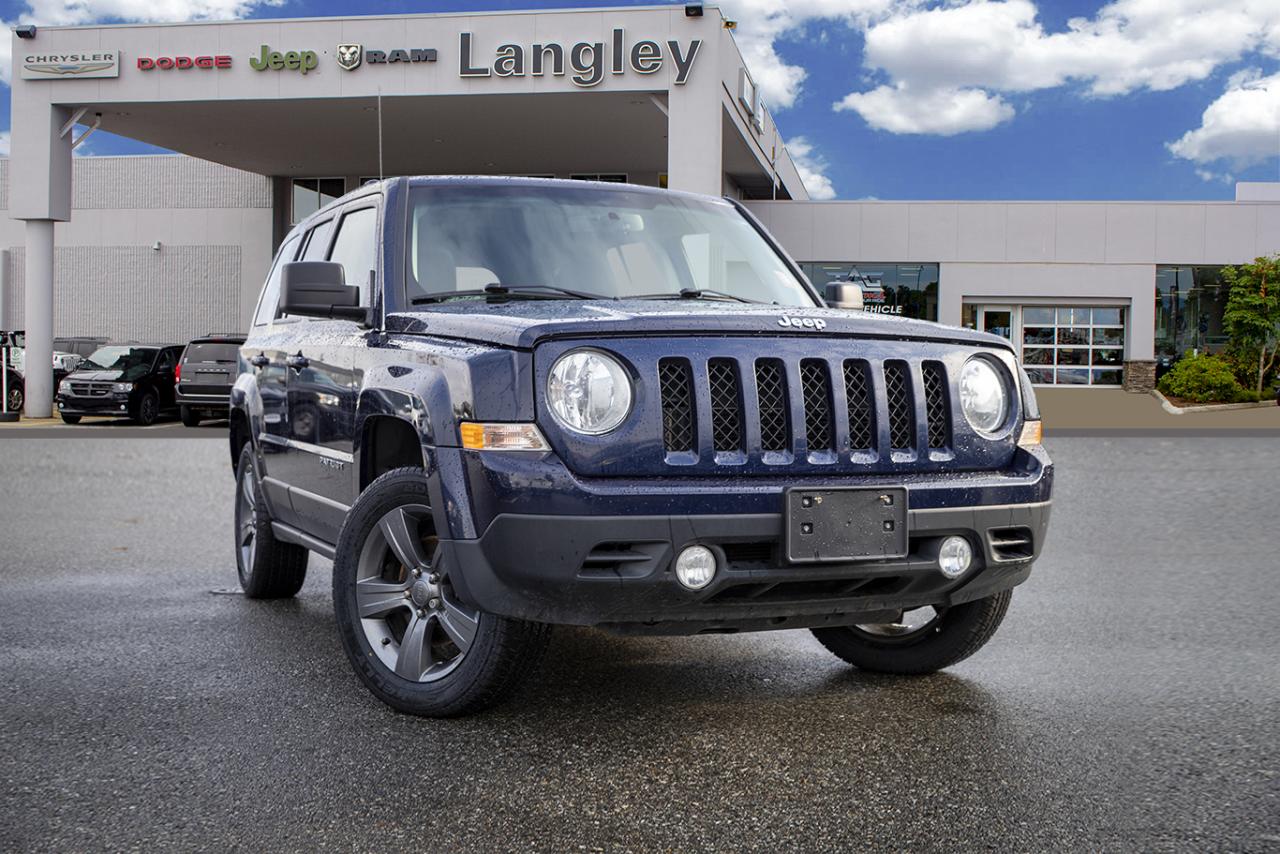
column 38, row 383
column 695, row 122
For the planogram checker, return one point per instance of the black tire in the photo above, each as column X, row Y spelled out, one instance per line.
column 71, row 419
column 268, row 568
column 147, row 410
column 17, row 396
column 954, row 635
column 190, row 418
column 450, row 679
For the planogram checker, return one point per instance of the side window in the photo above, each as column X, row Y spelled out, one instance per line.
column 271, row 291
column 356, row 248
column 165, row 362
column 317, row 242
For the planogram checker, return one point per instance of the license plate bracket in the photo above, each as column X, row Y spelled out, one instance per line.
column 845, row 523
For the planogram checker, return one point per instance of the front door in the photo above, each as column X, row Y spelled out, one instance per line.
column 324, row 386
column 997, row 319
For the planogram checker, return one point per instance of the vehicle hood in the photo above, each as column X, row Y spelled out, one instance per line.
column 524, row 323
column 99, row 376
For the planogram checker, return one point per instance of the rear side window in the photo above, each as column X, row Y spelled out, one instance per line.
column 356, row 248
column 271, row 291
column 211, row 352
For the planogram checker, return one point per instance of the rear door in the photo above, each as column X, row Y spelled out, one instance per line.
column 208, row 367
column 323, row 385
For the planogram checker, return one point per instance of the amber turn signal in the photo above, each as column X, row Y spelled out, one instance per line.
column 1032, row 433
column 477, row 436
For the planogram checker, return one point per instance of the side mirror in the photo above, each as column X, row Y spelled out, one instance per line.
column 319, row 289
column 843, row 295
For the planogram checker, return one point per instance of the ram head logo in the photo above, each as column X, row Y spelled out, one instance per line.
column 350, row 56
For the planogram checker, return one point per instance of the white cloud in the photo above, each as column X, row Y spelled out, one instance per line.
column 71, row 12
column 1242, row 127
column 947, row 65
column 944, row 111
column 761, row 23
column 4, row 143
column 812, row 167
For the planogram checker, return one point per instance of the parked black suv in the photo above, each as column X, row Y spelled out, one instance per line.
column 502, row 404
column 204, row 376
column 133, row 380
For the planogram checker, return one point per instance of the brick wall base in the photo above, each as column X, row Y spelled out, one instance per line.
column 1140, row 376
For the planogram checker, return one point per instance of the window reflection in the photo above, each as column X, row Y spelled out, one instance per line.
column 909, row 290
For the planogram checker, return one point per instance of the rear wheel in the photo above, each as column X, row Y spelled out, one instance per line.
column 190, row 418
column 922, row 640
column 410, row 638
column 268, row 568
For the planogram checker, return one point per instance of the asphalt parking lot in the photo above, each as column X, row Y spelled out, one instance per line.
column 1131, row 700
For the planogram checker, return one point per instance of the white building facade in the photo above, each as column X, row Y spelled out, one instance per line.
column 273, row 118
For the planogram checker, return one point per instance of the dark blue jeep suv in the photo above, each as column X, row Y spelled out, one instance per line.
column 500, row 404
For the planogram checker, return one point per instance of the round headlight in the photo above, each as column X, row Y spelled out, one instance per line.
column 589, row 391
column 983, row 396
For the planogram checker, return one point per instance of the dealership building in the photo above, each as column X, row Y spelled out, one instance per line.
column 272, row 119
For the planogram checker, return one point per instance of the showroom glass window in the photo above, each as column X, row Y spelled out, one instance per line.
column 909, row 290
column 1073, row 345
column 311, row 194
column 1190, row 302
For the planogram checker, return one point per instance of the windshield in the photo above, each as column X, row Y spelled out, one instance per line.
column 570, row 242
column 133, row 362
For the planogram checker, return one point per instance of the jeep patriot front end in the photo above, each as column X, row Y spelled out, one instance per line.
column 503, row 404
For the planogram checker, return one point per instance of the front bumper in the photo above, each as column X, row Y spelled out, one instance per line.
column 554, row 548
column 110, row 404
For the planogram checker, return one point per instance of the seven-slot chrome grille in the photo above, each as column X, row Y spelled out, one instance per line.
column 796, row 413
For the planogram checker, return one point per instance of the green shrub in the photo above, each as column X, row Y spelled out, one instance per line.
column 1205, row 379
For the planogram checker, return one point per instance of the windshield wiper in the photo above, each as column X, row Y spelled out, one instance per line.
column 494, row 289
column 697, row 293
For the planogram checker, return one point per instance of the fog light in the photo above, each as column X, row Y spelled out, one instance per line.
column 695, row 567
column 954, row 557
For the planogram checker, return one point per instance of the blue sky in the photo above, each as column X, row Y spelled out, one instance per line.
column 962, row 99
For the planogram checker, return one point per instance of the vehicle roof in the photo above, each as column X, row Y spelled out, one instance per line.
column 219, row 338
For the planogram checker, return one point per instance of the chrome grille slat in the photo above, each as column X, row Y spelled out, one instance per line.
column 726, row 405
column 771, row 391
column 937, row 416
column 902, row 421
column 861, row 404
column 815, row 386
column 675, row 382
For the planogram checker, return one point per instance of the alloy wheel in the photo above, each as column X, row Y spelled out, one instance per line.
column 247, row 521
column 910, row 625
column 410, row 615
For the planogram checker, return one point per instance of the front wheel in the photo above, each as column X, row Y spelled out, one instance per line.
column 410, row 638
column 922, row 640
column 268, row 568
column 148, row 409
column 71, row 419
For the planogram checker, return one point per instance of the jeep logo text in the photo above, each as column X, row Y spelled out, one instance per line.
column 802, row 323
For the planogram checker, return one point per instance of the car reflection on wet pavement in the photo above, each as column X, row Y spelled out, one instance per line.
column 1129, row 701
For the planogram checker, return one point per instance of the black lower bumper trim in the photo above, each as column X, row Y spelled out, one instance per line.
column 616, row 572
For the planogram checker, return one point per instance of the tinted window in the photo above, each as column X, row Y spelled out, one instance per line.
column 166, row 360
column 271, row 291
column 356, row 247
column 317, row 242
column 210, row 352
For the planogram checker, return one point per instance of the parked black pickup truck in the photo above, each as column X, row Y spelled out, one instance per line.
column 502, row 404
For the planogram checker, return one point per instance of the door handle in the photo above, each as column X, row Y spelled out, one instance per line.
column 297, row 361
column 260, row 360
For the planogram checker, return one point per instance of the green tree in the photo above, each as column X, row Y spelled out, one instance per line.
column 1252, row 316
